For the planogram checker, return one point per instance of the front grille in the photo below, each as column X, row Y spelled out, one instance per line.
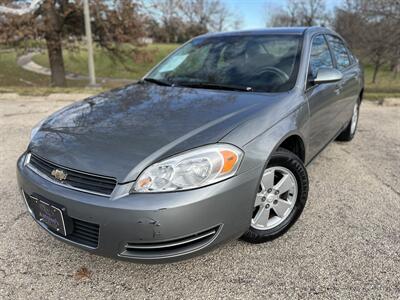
column 171, row 247
column 84, row 233
column 81, row 232
column 75, row 179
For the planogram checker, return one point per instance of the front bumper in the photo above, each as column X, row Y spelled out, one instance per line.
column 152, row 227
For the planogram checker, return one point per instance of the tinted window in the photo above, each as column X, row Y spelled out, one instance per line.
column 267, row 63
column 352, row 57
column 320, row 55
column 340, row 52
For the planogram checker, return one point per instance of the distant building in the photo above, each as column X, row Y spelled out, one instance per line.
column 146, row 40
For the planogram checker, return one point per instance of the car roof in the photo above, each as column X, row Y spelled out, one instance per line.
column 273, row 30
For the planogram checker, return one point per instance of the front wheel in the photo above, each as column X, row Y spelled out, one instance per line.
column 281, row 197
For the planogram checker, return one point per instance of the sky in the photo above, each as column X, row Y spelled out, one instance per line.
column 253, row 12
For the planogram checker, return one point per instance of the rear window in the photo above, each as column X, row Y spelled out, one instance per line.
column 340, row 52
column 353, row 59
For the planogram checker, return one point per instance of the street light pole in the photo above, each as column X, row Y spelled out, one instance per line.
column 88, row 31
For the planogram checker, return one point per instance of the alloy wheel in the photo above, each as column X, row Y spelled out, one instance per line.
column 354, row 119
column 276, row 198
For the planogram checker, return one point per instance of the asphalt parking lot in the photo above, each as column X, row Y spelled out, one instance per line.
column 346, row 244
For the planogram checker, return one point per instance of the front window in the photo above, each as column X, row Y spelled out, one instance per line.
column 265, row 63
column 320, row 55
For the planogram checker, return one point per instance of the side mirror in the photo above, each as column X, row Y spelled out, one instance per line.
column 326, row 75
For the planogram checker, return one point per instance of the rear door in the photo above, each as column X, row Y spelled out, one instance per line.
column 348, row 87
column 322, row 98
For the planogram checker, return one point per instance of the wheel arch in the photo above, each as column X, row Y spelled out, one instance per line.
column 291, row 133
column 295, row 144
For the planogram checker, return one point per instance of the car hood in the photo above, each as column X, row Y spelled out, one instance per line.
column 120, row 132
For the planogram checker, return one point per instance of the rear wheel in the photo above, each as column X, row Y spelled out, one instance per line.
column 349, row 132
column 281, row 197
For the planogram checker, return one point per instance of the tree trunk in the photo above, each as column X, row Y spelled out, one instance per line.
column 396, row 67
column 396, row 71
column 376, row 70
column 53, row 23
column 54, row 49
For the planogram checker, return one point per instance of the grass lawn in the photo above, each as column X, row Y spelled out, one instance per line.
column 130, row 68
column 12, row 75
column 13, row 78
column 385, row 83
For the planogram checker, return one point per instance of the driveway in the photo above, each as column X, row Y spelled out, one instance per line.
column 345, row 245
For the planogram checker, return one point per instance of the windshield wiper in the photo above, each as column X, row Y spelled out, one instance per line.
column 156, row 81
column 204, row 85
column 217, row 86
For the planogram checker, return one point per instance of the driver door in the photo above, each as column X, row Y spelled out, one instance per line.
column 322, row 98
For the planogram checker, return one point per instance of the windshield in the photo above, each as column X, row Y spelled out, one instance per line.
column 266, row 63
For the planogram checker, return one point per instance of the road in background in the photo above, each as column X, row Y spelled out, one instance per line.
column 345, row 245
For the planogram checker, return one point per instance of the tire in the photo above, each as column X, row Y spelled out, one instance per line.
column 349, row 132
column 294, row 175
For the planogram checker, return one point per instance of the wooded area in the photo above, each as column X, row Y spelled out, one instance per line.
column 371, row 27
column 114, row 24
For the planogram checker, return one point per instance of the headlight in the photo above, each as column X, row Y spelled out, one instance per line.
column 191, row 169
column 36, row 128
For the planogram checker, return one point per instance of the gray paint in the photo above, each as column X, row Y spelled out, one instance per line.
column 328, row 75
column 121, row 132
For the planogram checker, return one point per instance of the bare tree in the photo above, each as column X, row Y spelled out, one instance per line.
column 113, row 21
column 389, row 13
column 179, row 20
column 373, row 29
column 210, row 14
column 299, row 13
column 313, row 12
column 169, row 23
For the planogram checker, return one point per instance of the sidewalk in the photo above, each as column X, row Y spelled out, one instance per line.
column 25, row 61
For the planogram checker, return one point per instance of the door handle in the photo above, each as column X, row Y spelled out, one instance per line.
column 338, row 90
column 339, row 85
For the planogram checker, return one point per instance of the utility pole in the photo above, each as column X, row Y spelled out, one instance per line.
column 88, row 31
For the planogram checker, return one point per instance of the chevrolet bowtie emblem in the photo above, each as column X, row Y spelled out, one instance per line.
column 59, row 174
